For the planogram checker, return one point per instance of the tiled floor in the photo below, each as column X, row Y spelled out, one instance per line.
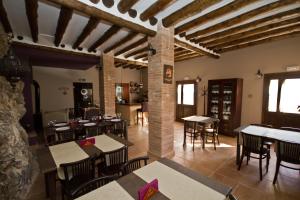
column 219, row 165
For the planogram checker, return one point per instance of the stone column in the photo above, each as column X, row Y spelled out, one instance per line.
column 107, row 80
column 161, row 95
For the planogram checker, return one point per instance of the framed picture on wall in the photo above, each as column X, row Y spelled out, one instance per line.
column 168, row 74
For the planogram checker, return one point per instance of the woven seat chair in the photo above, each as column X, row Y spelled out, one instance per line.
column 120, row 128
column 287, row 152
column 64, row 136
column 192, row 130
column 254, row 144
column 134, row 164
column 213, row 132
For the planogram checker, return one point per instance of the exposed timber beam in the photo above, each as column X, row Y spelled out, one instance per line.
column 249, row 25
column 94, row 1
column 241, row 18
column 155, row 8
column 265, row 34
column 261, row 41
column 141, row 56
column 187, row 57
column 125, row 5
column 90, row 26
column 138, row 51
column 120, row 42
column 184, row 51
column 132, row 46
column 108, row 34
column 32, row 16
column 4, row 19
column 65, row 16
column 253, row 31
column 196, row 49
column 102, row 15
column 232, row 6
column 108, row 3
column 187, row 54
column 189, row 10
column 131, row 62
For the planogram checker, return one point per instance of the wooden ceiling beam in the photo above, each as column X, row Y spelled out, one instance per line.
column 131, row 62
column 32, row 16
column 4, row 19
column 144, row 55
column 102, row 15
column 253, row 31
column 138, row 51
column 178, row 53
column 132, row 46
column 187, row 57
column 90, row 26
column 190, row 47
column 129, row 37
column 65, row 16
column 108, row 34
column 265, row 34
column 241, row 18
column 233, row 6
column 249, row 25
column 261, row 41
column 189, row 10
column 155, row 8
column 125, row 5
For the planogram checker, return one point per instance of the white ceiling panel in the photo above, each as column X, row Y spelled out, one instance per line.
column 47, row 18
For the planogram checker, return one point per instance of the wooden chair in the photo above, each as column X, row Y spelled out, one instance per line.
column 91, row 131
column 120, row 128
column 75, row 174
column 91, row 185
column 134, row 164
column 192, row 130
column 213, row 132
column 64, row 136
column 254, row 144
column 113, row 162
column 287, row 152
column 142, row 110
column 268, row 143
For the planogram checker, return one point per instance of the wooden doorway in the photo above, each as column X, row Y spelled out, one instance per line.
column 186, row 99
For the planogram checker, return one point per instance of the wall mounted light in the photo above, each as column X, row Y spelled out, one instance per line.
column 259, row 74
column 198, row 79
column 151, row 50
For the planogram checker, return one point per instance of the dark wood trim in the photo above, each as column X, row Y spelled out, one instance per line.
column 32, row 16
column 189, row 10
column 155, row 8
column 135, row 52
column 131, row 62
column 90, row 26
column 125, row 5
column 141, row 56
column 4, row 18
column 130, row 36
column 132, row 46
column 65, row 16
column 108, row 3
column 107, row 35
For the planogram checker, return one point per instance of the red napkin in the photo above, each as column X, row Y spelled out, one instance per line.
column 148, row 190
column 87, row 142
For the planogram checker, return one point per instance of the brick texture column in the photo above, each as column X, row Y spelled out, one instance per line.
column 107, row 80
column 161, row 95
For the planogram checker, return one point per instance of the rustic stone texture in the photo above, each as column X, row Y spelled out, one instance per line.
column 107, row 80
column 15, row 157
column 4, row 42
column 161, row 96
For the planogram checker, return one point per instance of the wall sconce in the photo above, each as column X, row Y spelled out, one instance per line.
column 64, row 90
column 259, row 74
column 198, row 79
column 151, row 50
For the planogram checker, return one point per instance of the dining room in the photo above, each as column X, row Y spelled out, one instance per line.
column 156, row 99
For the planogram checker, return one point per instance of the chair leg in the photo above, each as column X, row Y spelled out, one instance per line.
column 214, row 141
column 276, row 171
column 260, row 166
column 142, row 118
column 218, row 139
column 241, row 161
column 248, row 157
column 193, row 138
column 268, row 161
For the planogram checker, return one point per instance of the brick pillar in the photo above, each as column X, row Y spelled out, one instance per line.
column 161, row 95
column 107, row 80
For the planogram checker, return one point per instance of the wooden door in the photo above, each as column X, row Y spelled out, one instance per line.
column 186, row 99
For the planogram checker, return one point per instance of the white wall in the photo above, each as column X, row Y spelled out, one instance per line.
column 51, row 79
column 244, row 63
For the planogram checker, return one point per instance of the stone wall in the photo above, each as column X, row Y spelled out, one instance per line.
column 15, row 157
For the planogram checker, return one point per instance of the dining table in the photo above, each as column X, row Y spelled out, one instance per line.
column 267, row 133
column 175, row 182
column 201, row 121
column 50, row 157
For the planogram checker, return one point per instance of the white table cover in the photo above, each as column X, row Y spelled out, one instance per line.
column 176, row 185
column 66, row 153
column 195, row 118
column 106, row 143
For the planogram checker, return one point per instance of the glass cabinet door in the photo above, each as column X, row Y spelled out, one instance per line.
column 214, row 101
column 227, row 101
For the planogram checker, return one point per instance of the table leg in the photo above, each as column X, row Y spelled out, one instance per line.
column 238, row 149
column 50, row 178
column 184, row 134
column 203, row 137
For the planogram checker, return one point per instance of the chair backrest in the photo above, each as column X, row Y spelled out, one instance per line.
column 116, row 158
column 92, row 185
column 120, row 128
column 91, row 131
column 190, row 126
column 288, row 152
column 216, row 125
column 134, row 164
column 263, row 125
column 80, row 171
column 145, row 107
column 290, row 129
column 92, row 112
column 252, row 143
column 65, row 136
